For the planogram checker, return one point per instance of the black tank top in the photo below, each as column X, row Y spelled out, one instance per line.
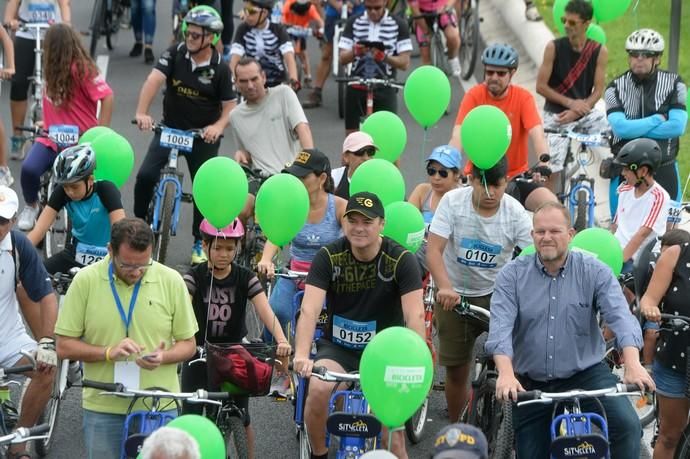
column 564, row 62
column 343, row 189
column 671, row 348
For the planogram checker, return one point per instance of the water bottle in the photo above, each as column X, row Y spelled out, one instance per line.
column 277, row 13
column 74, row 373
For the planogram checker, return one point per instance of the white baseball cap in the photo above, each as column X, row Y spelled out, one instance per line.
column 9, row 203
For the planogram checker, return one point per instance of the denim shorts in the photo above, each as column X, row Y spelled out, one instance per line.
column 669, row 383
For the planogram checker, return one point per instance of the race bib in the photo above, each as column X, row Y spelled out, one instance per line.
column 674, row 210
column 478, row 254
column 64, row 135
column 174, row 138
column 352, row 334
column 87, row 253
column 41, row 12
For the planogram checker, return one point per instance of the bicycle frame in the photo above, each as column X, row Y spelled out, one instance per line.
column 36, row 109
column 353, row 403
column 169, row 174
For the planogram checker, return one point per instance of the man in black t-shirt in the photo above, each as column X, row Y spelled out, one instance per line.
column 369, row 283
column 198, row 95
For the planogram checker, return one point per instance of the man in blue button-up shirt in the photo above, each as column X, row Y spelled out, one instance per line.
column 545, row 334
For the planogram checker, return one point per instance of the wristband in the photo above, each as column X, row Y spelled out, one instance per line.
column 107, row 354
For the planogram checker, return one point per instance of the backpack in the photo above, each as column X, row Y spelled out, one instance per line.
column 246, row 374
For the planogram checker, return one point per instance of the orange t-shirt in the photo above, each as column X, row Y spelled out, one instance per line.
column 521, row 109
column 292, row 19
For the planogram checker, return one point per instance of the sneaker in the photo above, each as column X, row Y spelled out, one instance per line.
column 198, row 255
column 148, row 56
column 6, row 176
column 27, row 219
column 17, row 147
column 455, row 69
column 281, row 386
column 313, row 100
column 136, row 50
column 532, row 14
column 307, row 82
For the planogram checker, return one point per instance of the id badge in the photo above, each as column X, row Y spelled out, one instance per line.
column 174, row 138
column 127, row 374
column 87, row 254
column 64, row 135
column 351, row 333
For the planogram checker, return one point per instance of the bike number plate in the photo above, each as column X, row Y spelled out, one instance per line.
column 88, row 254
column 174, row 138
column 593, row 140
column 65, row 135
column 352, row 334
column 41, row 12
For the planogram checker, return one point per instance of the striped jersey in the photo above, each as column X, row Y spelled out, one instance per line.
column 267, row 45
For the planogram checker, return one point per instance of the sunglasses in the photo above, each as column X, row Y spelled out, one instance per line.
column 369, row 151
column 250, row 11
column 499, row 73
column 193, row 35
column 641, row 54
column 570, row 22
column 431, row 171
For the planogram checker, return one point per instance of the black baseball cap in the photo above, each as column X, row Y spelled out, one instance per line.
column 460, row 441
column 307, row 161
column 367, row 204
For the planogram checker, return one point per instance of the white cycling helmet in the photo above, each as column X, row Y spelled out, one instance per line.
column 645, row 40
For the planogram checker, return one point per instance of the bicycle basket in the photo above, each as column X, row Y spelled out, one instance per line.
column 241, row 369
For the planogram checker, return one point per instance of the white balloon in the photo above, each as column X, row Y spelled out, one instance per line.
column 378, row 454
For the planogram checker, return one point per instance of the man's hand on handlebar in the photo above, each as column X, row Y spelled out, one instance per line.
column 144, row 122
column 636, row 374
column 447, row 298
column 212, row 133
column 507, row 387
column 303, row 366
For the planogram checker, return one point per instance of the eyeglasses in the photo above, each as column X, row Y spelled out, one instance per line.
column 249, row 11
column 570, row 22
column 129, row 267
column 369, row 151
column 193, row 35
column 431, row 171
column 499, row 73
column 374, row 8
column 641, row 54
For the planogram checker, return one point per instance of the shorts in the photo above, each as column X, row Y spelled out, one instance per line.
column 329, row 28
column 456, row 334
column 24, row 63
column 9, row 350
column 444, row 19
column 346, row 358
column 521, row 189
column 595, row 121
column 669, row 383
column 356, row 100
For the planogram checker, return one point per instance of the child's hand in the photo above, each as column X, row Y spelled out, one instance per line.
column 284, row 349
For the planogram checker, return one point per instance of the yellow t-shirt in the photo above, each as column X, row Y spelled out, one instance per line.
column 162, row 312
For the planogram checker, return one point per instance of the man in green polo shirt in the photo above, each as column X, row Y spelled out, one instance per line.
column 130, row 320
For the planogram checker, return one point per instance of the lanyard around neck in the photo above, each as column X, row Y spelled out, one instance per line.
column 127, row 319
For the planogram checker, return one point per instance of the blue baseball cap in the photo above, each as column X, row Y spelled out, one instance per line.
column 461, row 441
column 448, row 156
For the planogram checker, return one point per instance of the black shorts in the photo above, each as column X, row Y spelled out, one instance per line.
column 356, row 104
column 346, row 358
column 520, row 189
column 24, row 61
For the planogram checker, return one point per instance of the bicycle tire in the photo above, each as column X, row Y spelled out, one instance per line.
column 97, row 21
column 304, row 445
column 683, row 447
column 162, row 237
column 341, row 93
column 414, row 427
column 50, row 415
column 60, row 231
column 112, row 24
column 469, row 32
column 236, row 442
column 503, row 446
column 581, row 211
column 439, row 59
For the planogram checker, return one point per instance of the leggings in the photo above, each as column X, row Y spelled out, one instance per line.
column 24, row 63
column 228, row 21
column 144, row 20
column 37, row 162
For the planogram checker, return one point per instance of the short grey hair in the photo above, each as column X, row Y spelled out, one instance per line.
column 170, row 443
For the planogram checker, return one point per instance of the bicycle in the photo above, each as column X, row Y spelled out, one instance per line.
column 577, row 187
column 107, row 17
column 139, row 424
column 339, row 70
column 60, row 232
column 483, row 410
column 299, row 36
column 577, row 433
column 369, row 84
column 22, row 435
column 437, row 40
column 470, row 40
column 164, row 209
column 9, row 415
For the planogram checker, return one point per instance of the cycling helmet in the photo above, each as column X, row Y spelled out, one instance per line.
column 645, row 40
column 205, row 17
column 234, row 230
column 500, row 55
column 265, row 4
column 74, row 164
column 638, row 153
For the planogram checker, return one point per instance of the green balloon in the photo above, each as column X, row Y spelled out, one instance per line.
column 558, row 13
column 114, row 157
column 405, row 225
column 94, row 132
column 486, row 135
column 388, row 132
column 427, row 95
column 220, row 190
column 608, row 10
column 596, row 32
column 380, row 177
column 601, row 244
column 529, row 250
column 282, row 207
column 396, row 372
column 205, row 432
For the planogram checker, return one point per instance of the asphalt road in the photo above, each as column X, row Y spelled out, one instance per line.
column 272, row 420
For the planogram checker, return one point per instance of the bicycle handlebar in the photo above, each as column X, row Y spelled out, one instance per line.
column 16, row 370
column 23, row 434
column 594, row 139
column 371, row 82
column 675, row 323
column 324, row 374
column 158, row 128
column 290, row 274
column 119, row 390
column 537, row 396
column 465, row 308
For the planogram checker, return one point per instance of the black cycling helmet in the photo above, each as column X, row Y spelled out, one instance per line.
column 501, row 55
column 205, row 17
column 638, row 153
column 265, row 4
column 74, row 164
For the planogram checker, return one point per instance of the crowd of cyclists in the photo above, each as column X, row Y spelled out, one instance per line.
column 129, row 318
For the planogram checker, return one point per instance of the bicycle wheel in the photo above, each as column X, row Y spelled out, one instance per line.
column 51, row 411
column 97, row 21
column 236, row 439
column 59, row 233
column 503, row 446
column 469, row 39
column 414, row 427
column 581, row 211
column 341, row 93
column 113, row 19
column 162, row 236
column 304, row 445
column 439, row 59
column 683, row 448
column 255, row 327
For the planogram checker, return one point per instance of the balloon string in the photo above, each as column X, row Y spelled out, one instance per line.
column 424, row 141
